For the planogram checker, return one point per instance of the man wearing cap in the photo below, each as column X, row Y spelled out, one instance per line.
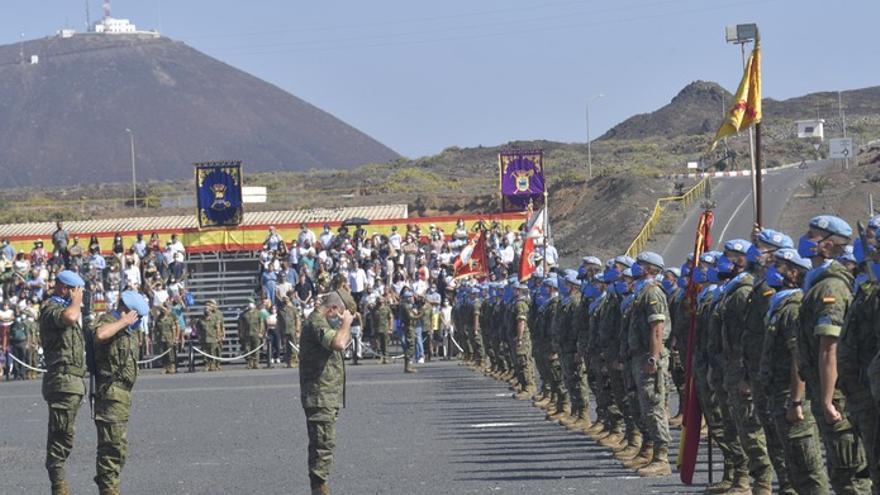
column 251, row 330
column 116, row 350
column 562, row 405
column 167, row 329
column 607, row 413
column 732, row 309
column 647, row 334
column 857, row 348
column 408, row 316
column 208, row 329
column 321, row 380
column 523, row 344
column 608, row 346
column 475, row 332
column 826, row 301
column 572, row 366
column 760, row 258
column 289, row 326
column 383, row 322
column 63, row 387
column 680, row 325
column 779, row 375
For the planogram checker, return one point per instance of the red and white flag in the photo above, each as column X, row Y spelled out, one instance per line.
column 534, row 234
column 473, row 260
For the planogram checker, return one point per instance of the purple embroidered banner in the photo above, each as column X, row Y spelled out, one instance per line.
column 522, row 179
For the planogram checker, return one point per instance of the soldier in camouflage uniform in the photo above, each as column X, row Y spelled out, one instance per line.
column 826, row 301
column 760, row 255
column 288, row 326
column 859, row 343
column 475, row 333
column 321, row 380
column 523, row 345
column 63, row 387
column 382, row 323
column 634, row 418
column 33, row 339
column 607, row 413
column 581, row 322
column 573, row 368
column 539, row 355
column 778, row 373
column 561, row 406
column 678, row 336
column 116, row 350
column 166, row 329
column 649, row 362
column 408, row 316
column 210, row 328
column 252, row 330
column 733, row 309
column 608, row 347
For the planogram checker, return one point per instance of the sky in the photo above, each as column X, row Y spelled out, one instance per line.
column 422, row 76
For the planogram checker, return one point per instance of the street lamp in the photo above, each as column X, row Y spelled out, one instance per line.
column 589, row 140
column 134, row 195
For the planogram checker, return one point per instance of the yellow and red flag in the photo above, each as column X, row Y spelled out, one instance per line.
column 473, row 259
column 746, row 109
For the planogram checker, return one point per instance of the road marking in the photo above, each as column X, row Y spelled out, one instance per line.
column 494, row 425
column 502, row 395
column 730, row 220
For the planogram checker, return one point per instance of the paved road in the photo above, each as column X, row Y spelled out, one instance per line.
column 445, row 430
column 734, row 211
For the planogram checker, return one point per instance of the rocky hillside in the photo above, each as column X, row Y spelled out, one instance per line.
column 63, row 120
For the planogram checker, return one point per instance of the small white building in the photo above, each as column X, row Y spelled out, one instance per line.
column 112, row 25
column 814, row 128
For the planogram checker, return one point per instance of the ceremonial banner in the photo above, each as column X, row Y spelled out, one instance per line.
column 473, row 261
column 534, row 233
column 746, row 109
column 521, row 176
column 218, row 192
column 693, row 415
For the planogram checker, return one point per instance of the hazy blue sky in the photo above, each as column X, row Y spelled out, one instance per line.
column 420, row 76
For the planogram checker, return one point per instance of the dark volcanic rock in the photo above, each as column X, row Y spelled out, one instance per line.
column 63, row 120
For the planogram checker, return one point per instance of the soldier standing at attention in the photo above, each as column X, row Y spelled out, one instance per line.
column 321, row 380
column 116, row 350
column 408, row 317
column 167, row 329
column 827, row 298
column 207, row 328
column 523, row 345
column 253, row 328
column 649, row 329
column 382, row 323
column 289, row 325
column 63, row 387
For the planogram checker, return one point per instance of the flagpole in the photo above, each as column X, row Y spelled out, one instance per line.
column 546, row 234
column 757, row 172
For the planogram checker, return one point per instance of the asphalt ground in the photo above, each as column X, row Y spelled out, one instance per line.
column 444, row 430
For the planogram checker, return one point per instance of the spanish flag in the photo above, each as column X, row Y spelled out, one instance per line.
column 746, row 109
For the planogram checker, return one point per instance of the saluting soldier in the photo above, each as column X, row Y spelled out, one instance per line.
column 826, row 301
column 116, row 350
column 321, row 379
column 63, row 388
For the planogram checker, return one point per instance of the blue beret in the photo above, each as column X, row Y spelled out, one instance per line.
column 740, row 246
column 624, row 260
column 651, row 258
column 551, row 282
column 673, row 270
column 71, row 279
column 592, row 260
column 874, row 223
column 831, row 224
column 136, row 302
column 775, row 239
column 792, row 256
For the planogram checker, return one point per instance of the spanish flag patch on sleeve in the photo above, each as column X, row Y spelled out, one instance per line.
column 768, row 293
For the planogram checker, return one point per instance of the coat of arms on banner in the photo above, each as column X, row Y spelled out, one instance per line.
column 218, row 192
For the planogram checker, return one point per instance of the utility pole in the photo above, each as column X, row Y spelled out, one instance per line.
column 134, row 196
column 842, row 116
column 589, row 139
column 742, row 34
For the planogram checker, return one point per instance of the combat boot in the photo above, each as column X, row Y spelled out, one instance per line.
column 569, row 420
column 561, row 411
column 726, row 481
column 659, row 465
column 628, row 439
column 524, row 394
column 645, row 456
column 60, row 488
column 320, row 489
column 762, row 488
column 740, row 484
column 582, row 421
column 611, row 440
column 632, row 449
column 675, row 421
column 109, row 491
column 407, row 367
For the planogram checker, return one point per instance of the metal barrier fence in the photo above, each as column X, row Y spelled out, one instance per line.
column 686, row 199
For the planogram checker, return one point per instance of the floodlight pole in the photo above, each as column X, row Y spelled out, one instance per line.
column 133, row 176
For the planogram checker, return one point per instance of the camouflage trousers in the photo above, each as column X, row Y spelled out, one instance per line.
column 606, row 410
column 739, row 459
column 321, row 425
column 382, row 344
column 557, row 383
column 462, row 336
column 866, row 418
column 575, row 375
column 112, row 452
column 249, row 344
column 750, row 432
column 714, row 419
column 800, row 442
column 619, row 396
column 170, row 359
column 63, row 408
column 651, row 390
column 775, row 449
column 542, row 364
column 476, row 338
column 212, row 348
column 525, row 372
column 290, row 354
column 844, row 451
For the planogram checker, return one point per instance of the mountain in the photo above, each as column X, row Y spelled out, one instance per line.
column 63, row 120
column 696, row 110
